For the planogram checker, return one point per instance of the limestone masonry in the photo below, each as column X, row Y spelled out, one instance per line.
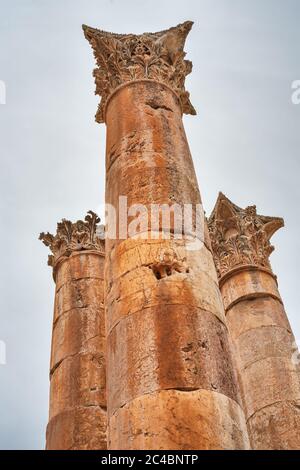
column 160, row 342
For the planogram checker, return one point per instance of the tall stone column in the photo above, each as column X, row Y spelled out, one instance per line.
column 261, row 334
column 170, row 378
column 77, row 415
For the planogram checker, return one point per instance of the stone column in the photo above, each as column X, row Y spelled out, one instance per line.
column 263, row 341
column 77, row 416
column 170, row 378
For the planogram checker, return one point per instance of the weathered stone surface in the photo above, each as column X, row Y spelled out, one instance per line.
column 77, row 370
column 261, row 343
column 78, row 330
column 156, row 289
column 255, row 313
column 262, row 338
column 276, row 427
column 78, row 381
column 178, row 420
column 137, row 253
column 79, row 294
column 79, row 266
column 82, row 428
column 168, row 347
column 133, row 146
column 140, row 289
column 146, row 167
column 269, row 381
column 246, row 284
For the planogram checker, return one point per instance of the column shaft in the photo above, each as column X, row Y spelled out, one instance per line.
column 77, row 411
column 170, row 379
column 265, row 349
column 267, row 359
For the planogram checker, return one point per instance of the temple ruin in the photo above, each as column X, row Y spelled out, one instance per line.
column 165, row 339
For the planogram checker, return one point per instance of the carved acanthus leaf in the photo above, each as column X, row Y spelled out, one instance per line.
column 123, row 58
column 240, row 236
column 70, row 237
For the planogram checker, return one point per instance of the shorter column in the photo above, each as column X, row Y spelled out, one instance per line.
column 77, row 412
column 265, row 349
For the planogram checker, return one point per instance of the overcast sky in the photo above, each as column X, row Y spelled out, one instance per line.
column 245, row 142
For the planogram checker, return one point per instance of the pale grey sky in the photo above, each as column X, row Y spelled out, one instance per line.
column 245, row 141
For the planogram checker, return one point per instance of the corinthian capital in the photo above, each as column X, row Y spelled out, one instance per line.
column 240, row 237
column 70, row 237
column 122, row 58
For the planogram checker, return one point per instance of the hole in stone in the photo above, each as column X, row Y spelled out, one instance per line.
column 188, row 347
column 157, row 274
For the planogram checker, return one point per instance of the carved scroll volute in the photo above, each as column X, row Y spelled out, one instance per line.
column 70, row 237
column 122, row 58
column 240, row 237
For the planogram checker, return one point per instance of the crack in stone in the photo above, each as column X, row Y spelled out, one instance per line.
column 157, row 106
